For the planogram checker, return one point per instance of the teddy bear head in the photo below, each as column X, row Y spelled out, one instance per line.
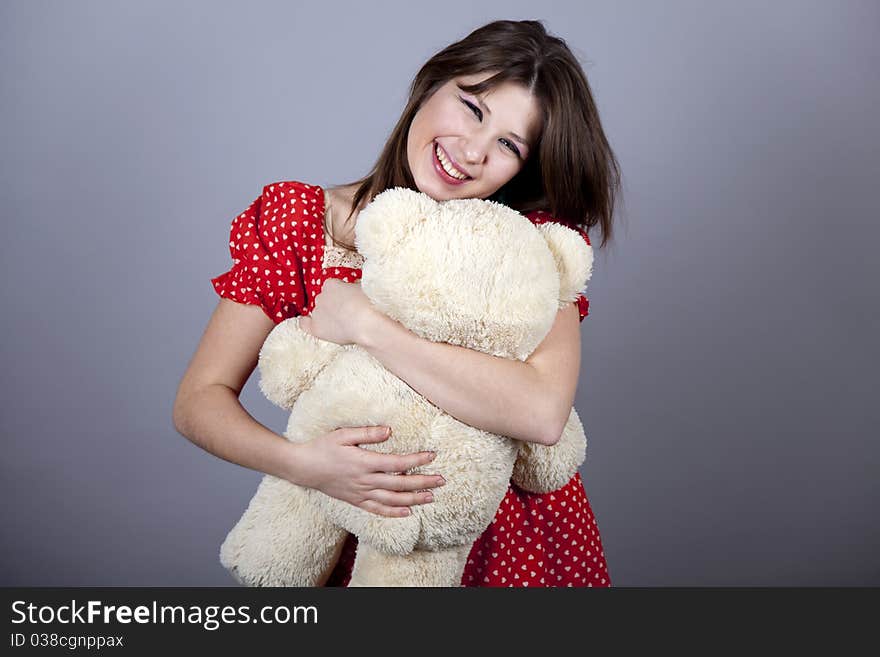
column 469, row 272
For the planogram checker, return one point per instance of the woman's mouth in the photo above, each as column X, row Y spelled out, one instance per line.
column 445, row 169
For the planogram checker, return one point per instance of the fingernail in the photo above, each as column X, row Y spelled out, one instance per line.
column 429, row 497
column 442, row 482
column 432, row 456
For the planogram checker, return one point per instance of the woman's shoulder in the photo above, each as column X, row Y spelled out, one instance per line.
column 290, row 215
column 285, row 222
column 292, row 198
column 300, row 188
column 275, row 245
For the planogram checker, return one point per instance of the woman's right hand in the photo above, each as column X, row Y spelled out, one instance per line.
column 336, row 466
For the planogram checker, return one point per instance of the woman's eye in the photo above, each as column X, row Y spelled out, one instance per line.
column 476, row 110
column 479, row 114
column 511, row 146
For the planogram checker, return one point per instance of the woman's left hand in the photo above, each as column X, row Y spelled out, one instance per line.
column 340, row 312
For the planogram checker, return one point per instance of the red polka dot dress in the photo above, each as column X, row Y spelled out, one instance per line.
column 277, row 246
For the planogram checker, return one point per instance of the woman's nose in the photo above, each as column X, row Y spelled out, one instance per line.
column 475, row 148
column 472, row 156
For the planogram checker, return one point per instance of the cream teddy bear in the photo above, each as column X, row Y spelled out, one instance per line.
column 468, row 272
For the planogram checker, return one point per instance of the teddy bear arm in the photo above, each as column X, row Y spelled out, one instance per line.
column 290, row 360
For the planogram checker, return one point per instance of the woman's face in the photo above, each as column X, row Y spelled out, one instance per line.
column 477, row 142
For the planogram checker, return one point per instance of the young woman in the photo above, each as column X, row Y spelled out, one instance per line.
column 505, row 114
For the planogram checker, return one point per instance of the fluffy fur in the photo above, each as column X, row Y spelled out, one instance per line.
column 467, row 272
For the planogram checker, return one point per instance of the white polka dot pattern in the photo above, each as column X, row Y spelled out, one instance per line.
column 541, row 540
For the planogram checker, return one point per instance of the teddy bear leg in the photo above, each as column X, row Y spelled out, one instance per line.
column 541, row 469
column 282, row 539
column 425, row 568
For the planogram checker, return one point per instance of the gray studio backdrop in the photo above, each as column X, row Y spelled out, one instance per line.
column 729, row 376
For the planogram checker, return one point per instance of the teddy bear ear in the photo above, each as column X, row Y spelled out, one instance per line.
column 389, row 218
column 573, row 256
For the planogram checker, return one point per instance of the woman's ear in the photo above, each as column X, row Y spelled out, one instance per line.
column 573, row 256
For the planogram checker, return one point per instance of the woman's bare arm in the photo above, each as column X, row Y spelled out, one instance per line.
column 528, row 400
column 207, row 411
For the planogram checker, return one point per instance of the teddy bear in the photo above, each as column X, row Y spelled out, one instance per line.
column 468, row 272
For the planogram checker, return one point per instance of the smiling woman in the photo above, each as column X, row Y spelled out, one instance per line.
column 505, row 114
column 458, row 147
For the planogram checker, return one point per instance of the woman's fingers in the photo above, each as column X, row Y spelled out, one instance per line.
column 406, row 483
column 383, row 510
column 392, row 499
column 395, row 504
column 364, row 478
column 399, row 463
column 361, row 435
column 381, row 462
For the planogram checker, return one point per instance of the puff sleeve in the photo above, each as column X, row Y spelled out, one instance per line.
column 539, row 217
column 266, row 269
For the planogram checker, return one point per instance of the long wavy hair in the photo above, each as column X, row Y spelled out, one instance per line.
column 571, row 173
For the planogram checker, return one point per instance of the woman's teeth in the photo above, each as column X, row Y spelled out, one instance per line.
column 447, row 165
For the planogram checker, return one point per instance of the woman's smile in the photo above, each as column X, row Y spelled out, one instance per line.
column 446, row 169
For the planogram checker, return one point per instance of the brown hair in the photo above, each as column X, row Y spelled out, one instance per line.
column 571, row 172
